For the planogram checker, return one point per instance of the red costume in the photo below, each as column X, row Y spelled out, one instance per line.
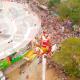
column 45, row 42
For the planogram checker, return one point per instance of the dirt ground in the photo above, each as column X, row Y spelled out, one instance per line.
column 35, row 74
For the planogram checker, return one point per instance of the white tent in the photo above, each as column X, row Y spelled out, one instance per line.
column 18, row 27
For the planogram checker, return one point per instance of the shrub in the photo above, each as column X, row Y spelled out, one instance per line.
column 69, row 56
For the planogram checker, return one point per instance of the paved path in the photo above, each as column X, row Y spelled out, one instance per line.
column 14, row 66
column 30, row 70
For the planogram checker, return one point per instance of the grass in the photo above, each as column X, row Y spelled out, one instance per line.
column 69, row 56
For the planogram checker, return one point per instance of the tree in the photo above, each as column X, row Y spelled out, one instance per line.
column 70, row 9
column 52, row 3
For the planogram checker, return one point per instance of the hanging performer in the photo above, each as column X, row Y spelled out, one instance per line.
column 45, row 43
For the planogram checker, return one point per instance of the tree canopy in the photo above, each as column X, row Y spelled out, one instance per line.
column 52, row 3
column 67, row 9
column 70, row 9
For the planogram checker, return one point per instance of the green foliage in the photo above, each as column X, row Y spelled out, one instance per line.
column 63, row 11
column 70, row 9
column 4, row 64
column 69, row 56
column 52, row 3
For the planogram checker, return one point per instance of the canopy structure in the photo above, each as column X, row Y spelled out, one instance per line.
column 18, row 26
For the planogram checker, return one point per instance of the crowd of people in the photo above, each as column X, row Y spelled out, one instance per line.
column 58, row 29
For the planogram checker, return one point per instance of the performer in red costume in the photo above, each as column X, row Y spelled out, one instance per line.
column 45, row 43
